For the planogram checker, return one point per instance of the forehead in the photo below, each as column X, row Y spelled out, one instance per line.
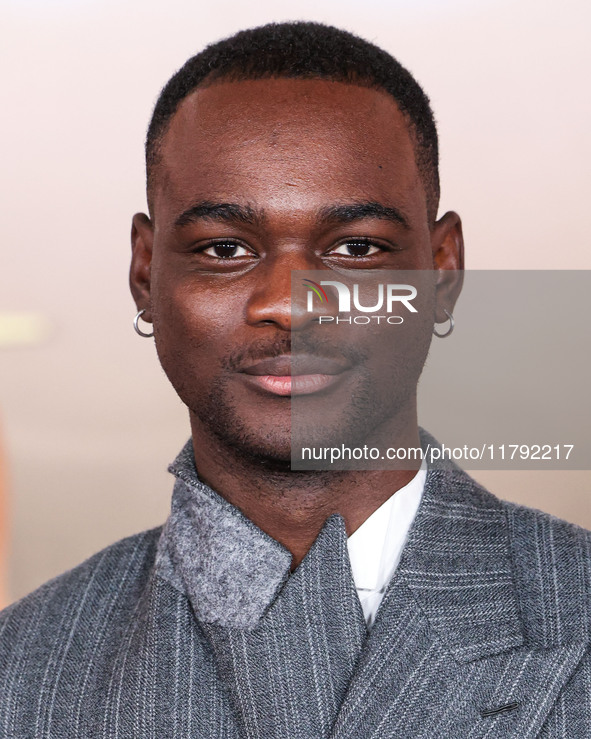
column 265, row 141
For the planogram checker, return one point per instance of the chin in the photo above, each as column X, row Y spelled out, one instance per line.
column 262, row 430
column 260, row 447
column 265, row 444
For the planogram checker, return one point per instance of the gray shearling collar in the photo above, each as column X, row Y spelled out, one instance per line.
column 229, row 568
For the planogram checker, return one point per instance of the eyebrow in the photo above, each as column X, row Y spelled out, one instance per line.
column 341, row 213
column 349, row 212
column 226, row 212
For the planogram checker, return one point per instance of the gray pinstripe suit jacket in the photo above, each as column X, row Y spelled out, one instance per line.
column 196, row 629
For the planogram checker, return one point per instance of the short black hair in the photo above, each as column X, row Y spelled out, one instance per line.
column 304, row 50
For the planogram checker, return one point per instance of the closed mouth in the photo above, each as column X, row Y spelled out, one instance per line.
column 289, row 375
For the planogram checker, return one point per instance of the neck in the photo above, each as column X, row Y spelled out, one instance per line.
column 292, row 506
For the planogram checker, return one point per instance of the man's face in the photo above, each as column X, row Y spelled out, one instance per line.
column 251, row 184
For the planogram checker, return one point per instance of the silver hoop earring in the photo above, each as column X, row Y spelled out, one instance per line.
column 136, row 325
column 449, row 330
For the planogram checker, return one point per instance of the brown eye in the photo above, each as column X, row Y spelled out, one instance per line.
column 357, row 249
column 226, row 251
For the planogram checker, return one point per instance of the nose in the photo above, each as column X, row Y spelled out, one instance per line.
column 280, row 297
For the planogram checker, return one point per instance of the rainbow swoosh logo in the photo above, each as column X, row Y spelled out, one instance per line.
column 317, row 289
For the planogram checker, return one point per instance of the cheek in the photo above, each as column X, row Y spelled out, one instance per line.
column 189, row 311
column 192, row 330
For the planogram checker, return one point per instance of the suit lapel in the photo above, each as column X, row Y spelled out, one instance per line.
column 288, row 675
column 447, row 655
column 458, row 565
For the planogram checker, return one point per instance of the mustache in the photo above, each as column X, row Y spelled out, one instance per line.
column 281, row 345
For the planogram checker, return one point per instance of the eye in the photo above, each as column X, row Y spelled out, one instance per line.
column 357, row 249
column 226, row 250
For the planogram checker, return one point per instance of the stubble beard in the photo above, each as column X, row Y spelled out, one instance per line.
column 370, row 417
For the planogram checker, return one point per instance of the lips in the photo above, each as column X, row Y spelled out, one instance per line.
column 287, row 375
column 304, row 364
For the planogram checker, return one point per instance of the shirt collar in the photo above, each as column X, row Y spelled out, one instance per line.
column 376, row 546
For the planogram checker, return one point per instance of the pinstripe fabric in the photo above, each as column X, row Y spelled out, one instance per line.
column 489, row 608
column 288, row 676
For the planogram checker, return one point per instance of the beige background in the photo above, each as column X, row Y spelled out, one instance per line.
column 89, row 420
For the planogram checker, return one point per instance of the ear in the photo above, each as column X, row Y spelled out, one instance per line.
column 447, row 245
column 142, row 238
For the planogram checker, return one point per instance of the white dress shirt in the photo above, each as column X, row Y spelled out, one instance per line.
column 375, row 548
